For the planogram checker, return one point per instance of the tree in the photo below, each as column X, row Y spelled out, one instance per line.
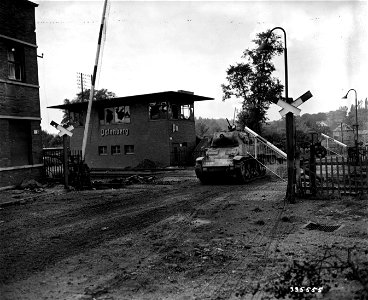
column 101, row 94
column 252, row 81
column 50, row 140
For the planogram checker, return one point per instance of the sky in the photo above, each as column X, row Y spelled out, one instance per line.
column 156, row 46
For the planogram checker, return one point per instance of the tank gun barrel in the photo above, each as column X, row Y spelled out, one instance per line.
column 231, row 127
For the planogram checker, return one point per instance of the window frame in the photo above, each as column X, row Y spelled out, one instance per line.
column 15, row 62
column 114, row 148
column 126, row 149
column 102, row 153
column 162, row 110
column 177, row 111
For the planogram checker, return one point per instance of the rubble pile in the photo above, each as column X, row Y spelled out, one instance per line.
column 121, row 182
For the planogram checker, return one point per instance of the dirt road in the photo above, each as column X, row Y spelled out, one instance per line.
column 180, row 240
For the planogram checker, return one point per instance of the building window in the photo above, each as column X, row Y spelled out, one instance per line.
column 115, row 149
column 76, row 118
column 15, row 63
column 181, row 112
column 114, row 115
column 175, row 111
column 122, row 114
column 186, row 111
column 157, row 110
column 129, row 149
column 102, row 150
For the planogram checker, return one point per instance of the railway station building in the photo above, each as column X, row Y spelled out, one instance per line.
column 125, row 131
column 20, row 117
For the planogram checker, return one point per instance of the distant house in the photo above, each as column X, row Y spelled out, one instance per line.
column 363, row 136
column 125, row 131
column 345, row 134
column 20, row 131
column 322, row 124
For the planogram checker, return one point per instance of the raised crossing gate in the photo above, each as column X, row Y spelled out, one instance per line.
column 333, row 146
column 266, row 153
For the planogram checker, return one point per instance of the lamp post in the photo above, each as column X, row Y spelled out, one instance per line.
column 356, row 120
column 290, row 128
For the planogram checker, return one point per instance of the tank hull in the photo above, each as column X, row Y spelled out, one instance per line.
column 227, row 158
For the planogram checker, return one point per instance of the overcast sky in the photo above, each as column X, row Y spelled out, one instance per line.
column 153, row 46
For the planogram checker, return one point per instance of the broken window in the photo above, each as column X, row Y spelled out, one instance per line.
column 114, row 115
column 76, row 118
column 186, row 111
column 122, row 114
column 157, row 110
column 15, row 63
column 109, row 115
column 182, row 112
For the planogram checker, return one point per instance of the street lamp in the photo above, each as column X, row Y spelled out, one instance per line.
column 356, row 121
column 290, row 130
column 356, row 112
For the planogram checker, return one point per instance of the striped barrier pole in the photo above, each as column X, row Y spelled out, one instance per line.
column 92, row 91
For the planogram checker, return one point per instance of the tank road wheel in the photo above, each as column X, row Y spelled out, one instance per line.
column 244, row 171
column 262, row 170
column 203, row 179
column 254, row 168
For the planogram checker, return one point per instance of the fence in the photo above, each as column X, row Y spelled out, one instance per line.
column 53, row 162
column 333, row 175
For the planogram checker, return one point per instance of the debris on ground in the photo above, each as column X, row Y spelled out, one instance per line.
column 146, row 164
column 30, row 184
column 121, row 182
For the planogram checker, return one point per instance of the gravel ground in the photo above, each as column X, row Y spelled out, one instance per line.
column 174, row 240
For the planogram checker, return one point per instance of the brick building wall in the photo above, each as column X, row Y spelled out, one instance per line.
column 125, row 131
column 20, row 131
column 150, row 138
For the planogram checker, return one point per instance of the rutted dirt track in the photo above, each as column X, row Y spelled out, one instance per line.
column 168, row 241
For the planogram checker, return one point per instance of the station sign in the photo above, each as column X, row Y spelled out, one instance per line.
column 114, row 131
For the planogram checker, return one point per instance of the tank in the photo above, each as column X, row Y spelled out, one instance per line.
column 228, row 157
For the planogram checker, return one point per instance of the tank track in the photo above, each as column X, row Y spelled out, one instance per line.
column 246, row 170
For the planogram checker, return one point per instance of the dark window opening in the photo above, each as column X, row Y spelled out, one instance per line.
column 109, row 115
column 101, row 116
column 129, row 149
column 175, row 111
column 157, row 110
column 102, row 150
column 115, row 149
column 15, row 63
column 76, row 118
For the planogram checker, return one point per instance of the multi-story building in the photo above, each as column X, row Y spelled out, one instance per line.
column 20, row 131
column 125, row 131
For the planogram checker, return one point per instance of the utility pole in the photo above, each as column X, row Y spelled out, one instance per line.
column 83, row 81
